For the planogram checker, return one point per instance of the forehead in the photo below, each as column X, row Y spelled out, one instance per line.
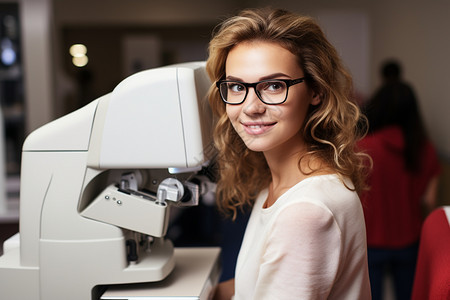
column 257, row 59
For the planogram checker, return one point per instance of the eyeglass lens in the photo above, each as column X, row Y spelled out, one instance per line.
column 272, row 92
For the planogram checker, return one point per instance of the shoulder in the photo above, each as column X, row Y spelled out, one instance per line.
column 323, row 197
column 388, row 133
column 305, row 215
column 429, row 150
column 322, row 190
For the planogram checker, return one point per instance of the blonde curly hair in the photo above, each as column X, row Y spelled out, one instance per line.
column 331, row 128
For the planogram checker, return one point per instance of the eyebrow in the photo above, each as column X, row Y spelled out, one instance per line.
column 270, row 76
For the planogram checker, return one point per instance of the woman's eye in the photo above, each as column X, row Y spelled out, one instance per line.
column 236, row 88
column 273, row 86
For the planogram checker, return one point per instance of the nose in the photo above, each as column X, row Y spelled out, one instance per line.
column 252, row 104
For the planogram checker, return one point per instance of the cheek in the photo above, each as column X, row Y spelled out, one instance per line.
column 232, row 112
column 233, row 116
column 275, row 112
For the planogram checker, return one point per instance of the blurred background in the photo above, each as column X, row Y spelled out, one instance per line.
column 43, row 76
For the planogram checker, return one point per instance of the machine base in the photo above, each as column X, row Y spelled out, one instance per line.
column 196, row 272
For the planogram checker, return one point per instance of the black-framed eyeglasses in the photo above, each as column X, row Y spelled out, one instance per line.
column 270, row 91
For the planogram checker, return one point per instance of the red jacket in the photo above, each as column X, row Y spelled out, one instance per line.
column 432, row 279
column 392, row 206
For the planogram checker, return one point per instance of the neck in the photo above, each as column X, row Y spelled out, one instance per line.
column 287, row 170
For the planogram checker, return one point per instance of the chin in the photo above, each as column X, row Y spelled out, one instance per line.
column 256, row 146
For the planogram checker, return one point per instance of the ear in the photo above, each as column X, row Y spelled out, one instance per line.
column 316, row 99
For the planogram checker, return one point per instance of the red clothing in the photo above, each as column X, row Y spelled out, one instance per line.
column 392, row 206
column 432, row 279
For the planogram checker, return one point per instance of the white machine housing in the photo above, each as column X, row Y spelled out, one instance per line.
column 96, row 179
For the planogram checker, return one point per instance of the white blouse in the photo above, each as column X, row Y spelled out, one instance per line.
column 310, row 244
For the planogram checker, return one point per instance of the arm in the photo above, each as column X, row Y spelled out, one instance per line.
column 302, row 255
column 430, row 172
column 430, row 195
column 224, row 290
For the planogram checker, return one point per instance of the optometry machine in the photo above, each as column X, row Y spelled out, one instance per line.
column 97, row 186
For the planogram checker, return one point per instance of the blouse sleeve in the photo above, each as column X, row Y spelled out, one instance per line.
column 302, row 254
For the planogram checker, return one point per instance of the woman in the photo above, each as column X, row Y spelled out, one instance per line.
column 403, row 182
column 285, row 134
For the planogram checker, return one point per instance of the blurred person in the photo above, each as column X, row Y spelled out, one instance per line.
column 285, row 134
column 402, row 184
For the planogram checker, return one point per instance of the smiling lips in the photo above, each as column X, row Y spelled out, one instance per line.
column 253, row 128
